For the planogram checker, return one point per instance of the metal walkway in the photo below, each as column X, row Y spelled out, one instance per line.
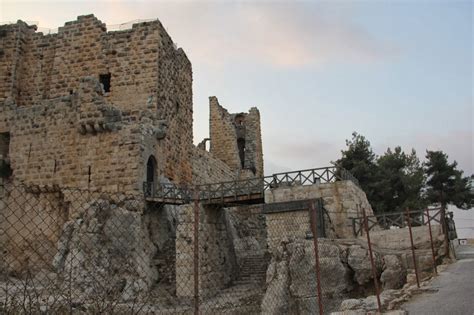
column 246, row 191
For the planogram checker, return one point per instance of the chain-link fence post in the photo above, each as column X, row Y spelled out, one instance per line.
column 431, row 241
column 374, row 271
column 196, row 253
column 314, row 229
column 412, row 246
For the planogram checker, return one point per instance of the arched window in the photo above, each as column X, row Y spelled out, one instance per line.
column 151, row 169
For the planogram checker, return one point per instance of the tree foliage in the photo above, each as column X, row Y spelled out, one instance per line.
column 400, row 181
column 397, row 180
column 445, row 183
column 359, row 159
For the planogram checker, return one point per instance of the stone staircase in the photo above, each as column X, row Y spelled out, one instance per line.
column 253, row 270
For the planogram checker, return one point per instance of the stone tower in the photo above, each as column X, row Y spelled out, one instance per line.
column 236, row 139
column 88, row 108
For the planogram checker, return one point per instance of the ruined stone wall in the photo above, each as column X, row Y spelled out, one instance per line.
column 216, row 260
column 253, row 142
column 343, row 201
column 58, row 131
column 236, row 139
column 223, row 135
column 208, row 169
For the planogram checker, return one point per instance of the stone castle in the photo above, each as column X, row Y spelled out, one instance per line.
column 87, row 108
column 90, row 119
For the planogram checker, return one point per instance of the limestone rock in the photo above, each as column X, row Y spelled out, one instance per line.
column 291, row 278
column 108, row 247
column 277, row 296
column 394, row 274
column 359, row 261
column 334, row 275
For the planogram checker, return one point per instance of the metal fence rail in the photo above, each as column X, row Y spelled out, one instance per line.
column 397, row 220
column 250, row 190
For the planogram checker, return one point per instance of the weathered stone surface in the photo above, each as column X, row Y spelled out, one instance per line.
column 370, row 303
column 277, row 296
column 109, row 247
column 359, row 261
column 236, row 139
column 394, row 273
column 334, row 274
column 62, row 126
column 291, row 278
column 399, row 239
column 217, row 261
column 75, row 134
column 343, row 201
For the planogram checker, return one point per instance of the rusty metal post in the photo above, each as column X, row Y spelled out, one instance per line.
column 431, row 241
column 412, row 247
column 372, row 263
column 314, row 228
column 196, row 253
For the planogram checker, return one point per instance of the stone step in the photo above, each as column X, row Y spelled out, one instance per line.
column 252, row 276
column 242, row 282
column 251, row 272
column 260, row 273
column 262, row 265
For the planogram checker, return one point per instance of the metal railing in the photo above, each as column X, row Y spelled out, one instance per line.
column 397, row 220
column 252, row 188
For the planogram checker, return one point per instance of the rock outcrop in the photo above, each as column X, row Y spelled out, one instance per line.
column 291, row 278
column 345, row 275
column 109, row 247
column 394, row 274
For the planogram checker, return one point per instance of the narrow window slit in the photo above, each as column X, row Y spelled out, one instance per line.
column 105, row 81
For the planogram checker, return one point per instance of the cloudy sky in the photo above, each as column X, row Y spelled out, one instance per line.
column 398, row 72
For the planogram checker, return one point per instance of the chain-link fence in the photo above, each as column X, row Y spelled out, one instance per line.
column 82, row 252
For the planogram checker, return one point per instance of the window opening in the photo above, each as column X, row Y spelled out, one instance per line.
column 241, row 147
column 151, row 169
column 105, row 81
column 5, row 170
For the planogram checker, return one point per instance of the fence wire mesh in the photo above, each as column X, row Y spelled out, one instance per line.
column 67, row 251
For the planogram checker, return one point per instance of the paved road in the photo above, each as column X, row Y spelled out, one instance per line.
column 463, row 252
column 455, row 295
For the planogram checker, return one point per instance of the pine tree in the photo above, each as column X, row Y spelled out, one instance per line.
column 445, row 183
